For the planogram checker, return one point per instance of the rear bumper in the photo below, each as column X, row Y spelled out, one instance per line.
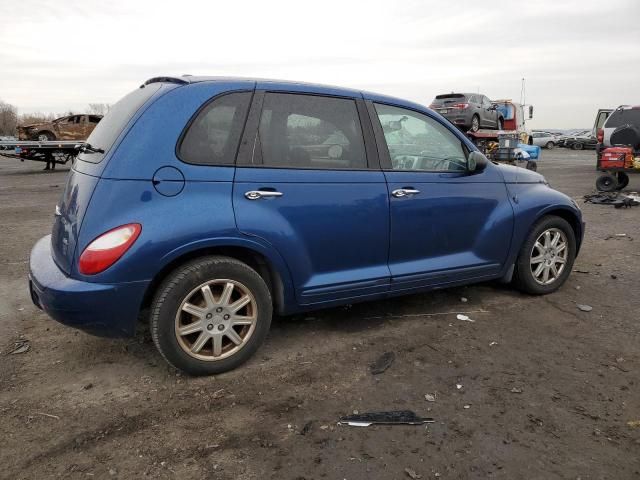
column 105, row 310
column 460, row 119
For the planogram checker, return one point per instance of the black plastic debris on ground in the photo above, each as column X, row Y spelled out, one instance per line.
column 382, row 363
column 617, row 199
column 397, row 417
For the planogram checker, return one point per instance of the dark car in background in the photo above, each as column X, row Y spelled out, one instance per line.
column 581, row 140
column 468, row 111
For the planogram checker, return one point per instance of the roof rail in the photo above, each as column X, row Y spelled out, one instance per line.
column 179, row 80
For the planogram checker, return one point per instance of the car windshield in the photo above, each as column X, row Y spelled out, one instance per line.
column 626, row 116
column 107, row 131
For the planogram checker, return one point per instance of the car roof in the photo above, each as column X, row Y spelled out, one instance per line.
column 290, row 85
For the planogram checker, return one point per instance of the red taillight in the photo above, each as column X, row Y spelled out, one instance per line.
column 460, row 106
column 600, row 135
column 105, row 250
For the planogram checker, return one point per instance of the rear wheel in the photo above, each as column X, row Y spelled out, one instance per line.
column 550, row 145
column 475, row 123
column 546, row 257
column 210, row 315
column 46, row 136
column 577, row 146
column 606, row 183
column 623, row 180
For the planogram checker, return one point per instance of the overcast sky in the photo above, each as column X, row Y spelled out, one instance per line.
column 576, row 55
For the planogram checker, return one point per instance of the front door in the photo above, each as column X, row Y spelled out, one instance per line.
column 447, row 224
column 309, row 191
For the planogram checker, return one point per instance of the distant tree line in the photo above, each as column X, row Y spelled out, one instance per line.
column 10, row 119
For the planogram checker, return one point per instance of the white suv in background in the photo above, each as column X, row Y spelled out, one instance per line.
column 622, row 116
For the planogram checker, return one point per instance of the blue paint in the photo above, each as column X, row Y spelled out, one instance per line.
column 333, row 237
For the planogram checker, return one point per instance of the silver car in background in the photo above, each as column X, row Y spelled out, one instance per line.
column 543, row 140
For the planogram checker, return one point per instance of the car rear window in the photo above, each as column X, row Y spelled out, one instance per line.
column 627, row 116
column 214, row 135
column 110, row 127
column 448, row 98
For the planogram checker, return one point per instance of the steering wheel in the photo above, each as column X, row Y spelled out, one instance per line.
column 456, row 160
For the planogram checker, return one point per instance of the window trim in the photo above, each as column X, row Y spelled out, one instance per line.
column 383, row 148
column 250, row 154
column 192, row 119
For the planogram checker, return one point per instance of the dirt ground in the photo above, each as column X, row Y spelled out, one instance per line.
column 548, row 390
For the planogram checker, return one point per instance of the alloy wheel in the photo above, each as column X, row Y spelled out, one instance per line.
column 549, row 256
column 216, row 319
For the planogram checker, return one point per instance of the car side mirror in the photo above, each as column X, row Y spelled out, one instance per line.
column 476, row 162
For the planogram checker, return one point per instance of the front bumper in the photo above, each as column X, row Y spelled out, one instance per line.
column 105, row 310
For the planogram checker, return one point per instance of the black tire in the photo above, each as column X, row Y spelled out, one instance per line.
column 523, row 278
column 533, row 166
column 577, row 146
column 500, row 124
column 178, row 287
column 550, row 145
column 475, row 123
column 623, row 180
column 606, row 183
column 45, row 136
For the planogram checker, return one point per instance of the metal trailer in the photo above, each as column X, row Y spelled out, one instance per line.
column 52, row 152
column 501, row 146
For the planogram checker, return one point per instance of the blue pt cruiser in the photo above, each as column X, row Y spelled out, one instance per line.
column 210, row 203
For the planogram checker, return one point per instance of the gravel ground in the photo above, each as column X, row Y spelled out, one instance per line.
column 548, row 390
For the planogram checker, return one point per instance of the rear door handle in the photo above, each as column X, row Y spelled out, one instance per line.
column 404, row 192
column 258, row 194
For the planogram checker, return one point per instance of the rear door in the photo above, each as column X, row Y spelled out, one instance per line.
column 447, row 225
column 489, row 114
column 307, row 184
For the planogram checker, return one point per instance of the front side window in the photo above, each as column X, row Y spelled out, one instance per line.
column 213, row 137
column 308, row 131
column 417, row 142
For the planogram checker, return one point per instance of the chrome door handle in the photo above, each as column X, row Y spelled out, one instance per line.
column 404, row 192
column 258, row 194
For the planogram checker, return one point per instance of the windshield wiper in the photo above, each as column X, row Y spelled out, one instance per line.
column 88, row 148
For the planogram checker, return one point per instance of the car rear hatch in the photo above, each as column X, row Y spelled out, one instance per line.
column 88, row 167
column 620, row 117
column 448, row 100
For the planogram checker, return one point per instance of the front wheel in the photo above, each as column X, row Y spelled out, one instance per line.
column 550, row 145
column 577, row 146
column 546, row 256
column 210, row 315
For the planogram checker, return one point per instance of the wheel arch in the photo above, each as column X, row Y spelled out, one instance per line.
column 570, row 216
column 47, row 131
column 269, row 266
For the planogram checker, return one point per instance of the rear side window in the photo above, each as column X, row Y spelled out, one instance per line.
column 627, row 116
column 213, row 136
column 308, row 131
column 110, row 127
